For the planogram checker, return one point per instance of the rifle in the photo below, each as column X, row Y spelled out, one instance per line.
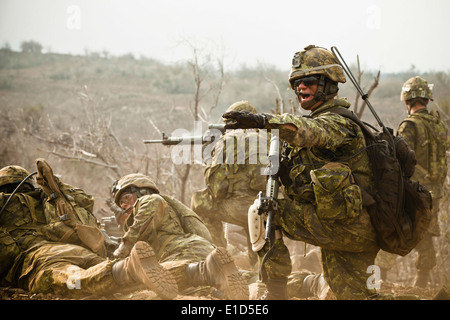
column 268, row 204
column 217, row 126
column 171, row 141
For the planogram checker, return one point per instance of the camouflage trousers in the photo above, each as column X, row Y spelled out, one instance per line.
column 65, row 269
column 232, row 210
column 179, row 255
column 348, row 247
column 426, row 258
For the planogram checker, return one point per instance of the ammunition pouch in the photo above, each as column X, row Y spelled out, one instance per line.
column 337, row 196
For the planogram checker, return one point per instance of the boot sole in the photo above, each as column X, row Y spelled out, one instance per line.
column 152, row 274
column 236, row 287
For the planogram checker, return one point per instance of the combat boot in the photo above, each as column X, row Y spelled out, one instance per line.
column 218, row 271
column 316, row 285
column 276, row 290
column 421, row 280
column 142, row 266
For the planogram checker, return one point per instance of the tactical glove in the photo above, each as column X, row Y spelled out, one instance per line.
column 244, row 120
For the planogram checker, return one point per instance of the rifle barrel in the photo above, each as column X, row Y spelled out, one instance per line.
column 218, row 126
column 177, row 140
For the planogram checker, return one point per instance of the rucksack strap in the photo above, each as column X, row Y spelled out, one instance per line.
column 352, row 116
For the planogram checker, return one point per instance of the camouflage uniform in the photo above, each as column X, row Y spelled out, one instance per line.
column 153, row 220
column 232, row 180
column 426, row 134
column 158, row 220
column 320, row 162
column 231, row 187
column 30, row 261
column 346, row 236
column 33, row 260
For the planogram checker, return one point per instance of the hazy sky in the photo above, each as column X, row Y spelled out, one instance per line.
column 387, row 34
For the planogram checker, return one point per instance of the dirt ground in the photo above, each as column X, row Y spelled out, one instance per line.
column 308, row 262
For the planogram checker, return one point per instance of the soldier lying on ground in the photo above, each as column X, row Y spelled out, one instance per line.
column 50, row 241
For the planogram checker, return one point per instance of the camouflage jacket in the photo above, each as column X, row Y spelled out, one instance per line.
column 235, row 168
column 19, row 226
column 155, row 221
column 320, row 138
column 426, row 134
column 30, row 220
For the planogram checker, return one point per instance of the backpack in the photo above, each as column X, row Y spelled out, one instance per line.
column 401, row 212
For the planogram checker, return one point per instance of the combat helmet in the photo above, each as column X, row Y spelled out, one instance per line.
column 13, row 175
column 242, row 105
column 416, row 87
column 315, row 61
column 135, row 181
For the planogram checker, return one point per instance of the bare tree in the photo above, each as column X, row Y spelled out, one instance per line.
column 93, row 142
column 206, row 82
column 360, row 110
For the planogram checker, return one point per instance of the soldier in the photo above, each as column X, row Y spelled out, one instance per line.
column 181, row 241
column 319, row 167
column 426, row 134
column 232, row 184
column 43, row 255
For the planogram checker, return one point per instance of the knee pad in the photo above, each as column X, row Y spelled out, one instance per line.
column 256, row 227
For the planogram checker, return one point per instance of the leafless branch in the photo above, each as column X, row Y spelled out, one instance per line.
column 369, row 92
column 106, row 165
column 280, row 98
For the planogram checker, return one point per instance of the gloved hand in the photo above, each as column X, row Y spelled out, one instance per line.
column 123, row 250
column 244, row 120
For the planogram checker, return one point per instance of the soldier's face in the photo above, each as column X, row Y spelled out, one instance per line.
column 306, row 89
column 127, row 200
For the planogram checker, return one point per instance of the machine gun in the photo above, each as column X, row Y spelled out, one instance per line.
column 206, row 138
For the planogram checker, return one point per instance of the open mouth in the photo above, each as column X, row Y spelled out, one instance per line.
column 305, row 96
